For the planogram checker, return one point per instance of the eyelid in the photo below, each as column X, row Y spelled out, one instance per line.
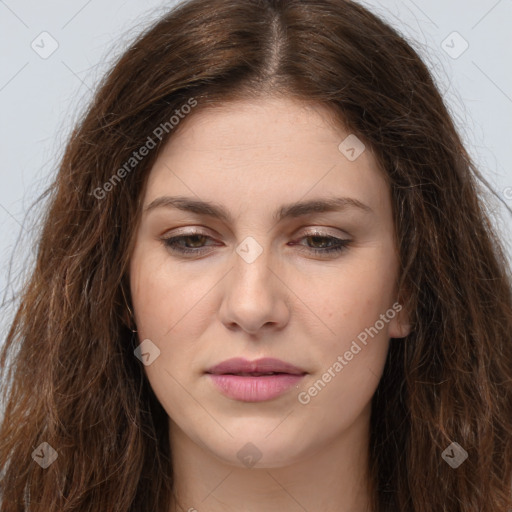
column 190, row 231
column 322, row 232
column 341, row 244
column 202, row 231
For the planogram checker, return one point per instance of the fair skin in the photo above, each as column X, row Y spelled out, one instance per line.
column 302, row 307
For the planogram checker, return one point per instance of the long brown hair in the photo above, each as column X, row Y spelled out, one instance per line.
column 73, row 380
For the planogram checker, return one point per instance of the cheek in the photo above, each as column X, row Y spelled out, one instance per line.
column 152, row 295
column 355, row 296
column 350, row 367
column 162, row 312
column 171, row 310
column 356, row 304
column 163, row 296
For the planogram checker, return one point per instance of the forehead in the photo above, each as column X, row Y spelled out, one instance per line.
column 265, row 152
column 250, row 123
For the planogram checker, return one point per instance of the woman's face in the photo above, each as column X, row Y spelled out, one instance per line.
column 263, row 280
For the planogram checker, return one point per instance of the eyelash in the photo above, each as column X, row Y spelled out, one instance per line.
column 341, row 244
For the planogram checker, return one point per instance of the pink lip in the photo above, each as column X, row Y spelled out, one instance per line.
column 247, row 388
column 263, row 365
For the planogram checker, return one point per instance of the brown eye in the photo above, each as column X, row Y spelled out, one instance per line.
column 325, row 244
column 193, row 243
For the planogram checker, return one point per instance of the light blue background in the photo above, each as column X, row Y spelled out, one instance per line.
column 41, row 98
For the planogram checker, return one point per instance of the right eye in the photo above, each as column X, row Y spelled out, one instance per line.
column 175, row 243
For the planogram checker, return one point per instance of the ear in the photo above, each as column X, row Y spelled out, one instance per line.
column 399, row 325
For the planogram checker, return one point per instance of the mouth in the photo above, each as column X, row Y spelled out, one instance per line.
column 256, row 381
column 261, row 367
column 255, row 374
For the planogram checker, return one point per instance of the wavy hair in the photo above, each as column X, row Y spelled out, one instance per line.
column 73, row 381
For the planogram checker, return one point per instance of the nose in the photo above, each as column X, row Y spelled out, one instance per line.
column 255, row 296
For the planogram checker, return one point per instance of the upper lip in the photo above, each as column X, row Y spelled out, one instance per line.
column 263, row 365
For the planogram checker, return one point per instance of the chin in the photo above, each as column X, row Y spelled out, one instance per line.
column 248, row 451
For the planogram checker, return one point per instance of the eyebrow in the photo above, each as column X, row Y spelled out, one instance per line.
column 291, row 210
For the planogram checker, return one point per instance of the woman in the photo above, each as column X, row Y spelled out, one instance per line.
column 265, row 282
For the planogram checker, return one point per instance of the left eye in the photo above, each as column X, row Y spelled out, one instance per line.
column 337, row 245
column 329, row 244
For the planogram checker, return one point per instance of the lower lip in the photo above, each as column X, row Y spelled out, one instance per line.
column 255, row 389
